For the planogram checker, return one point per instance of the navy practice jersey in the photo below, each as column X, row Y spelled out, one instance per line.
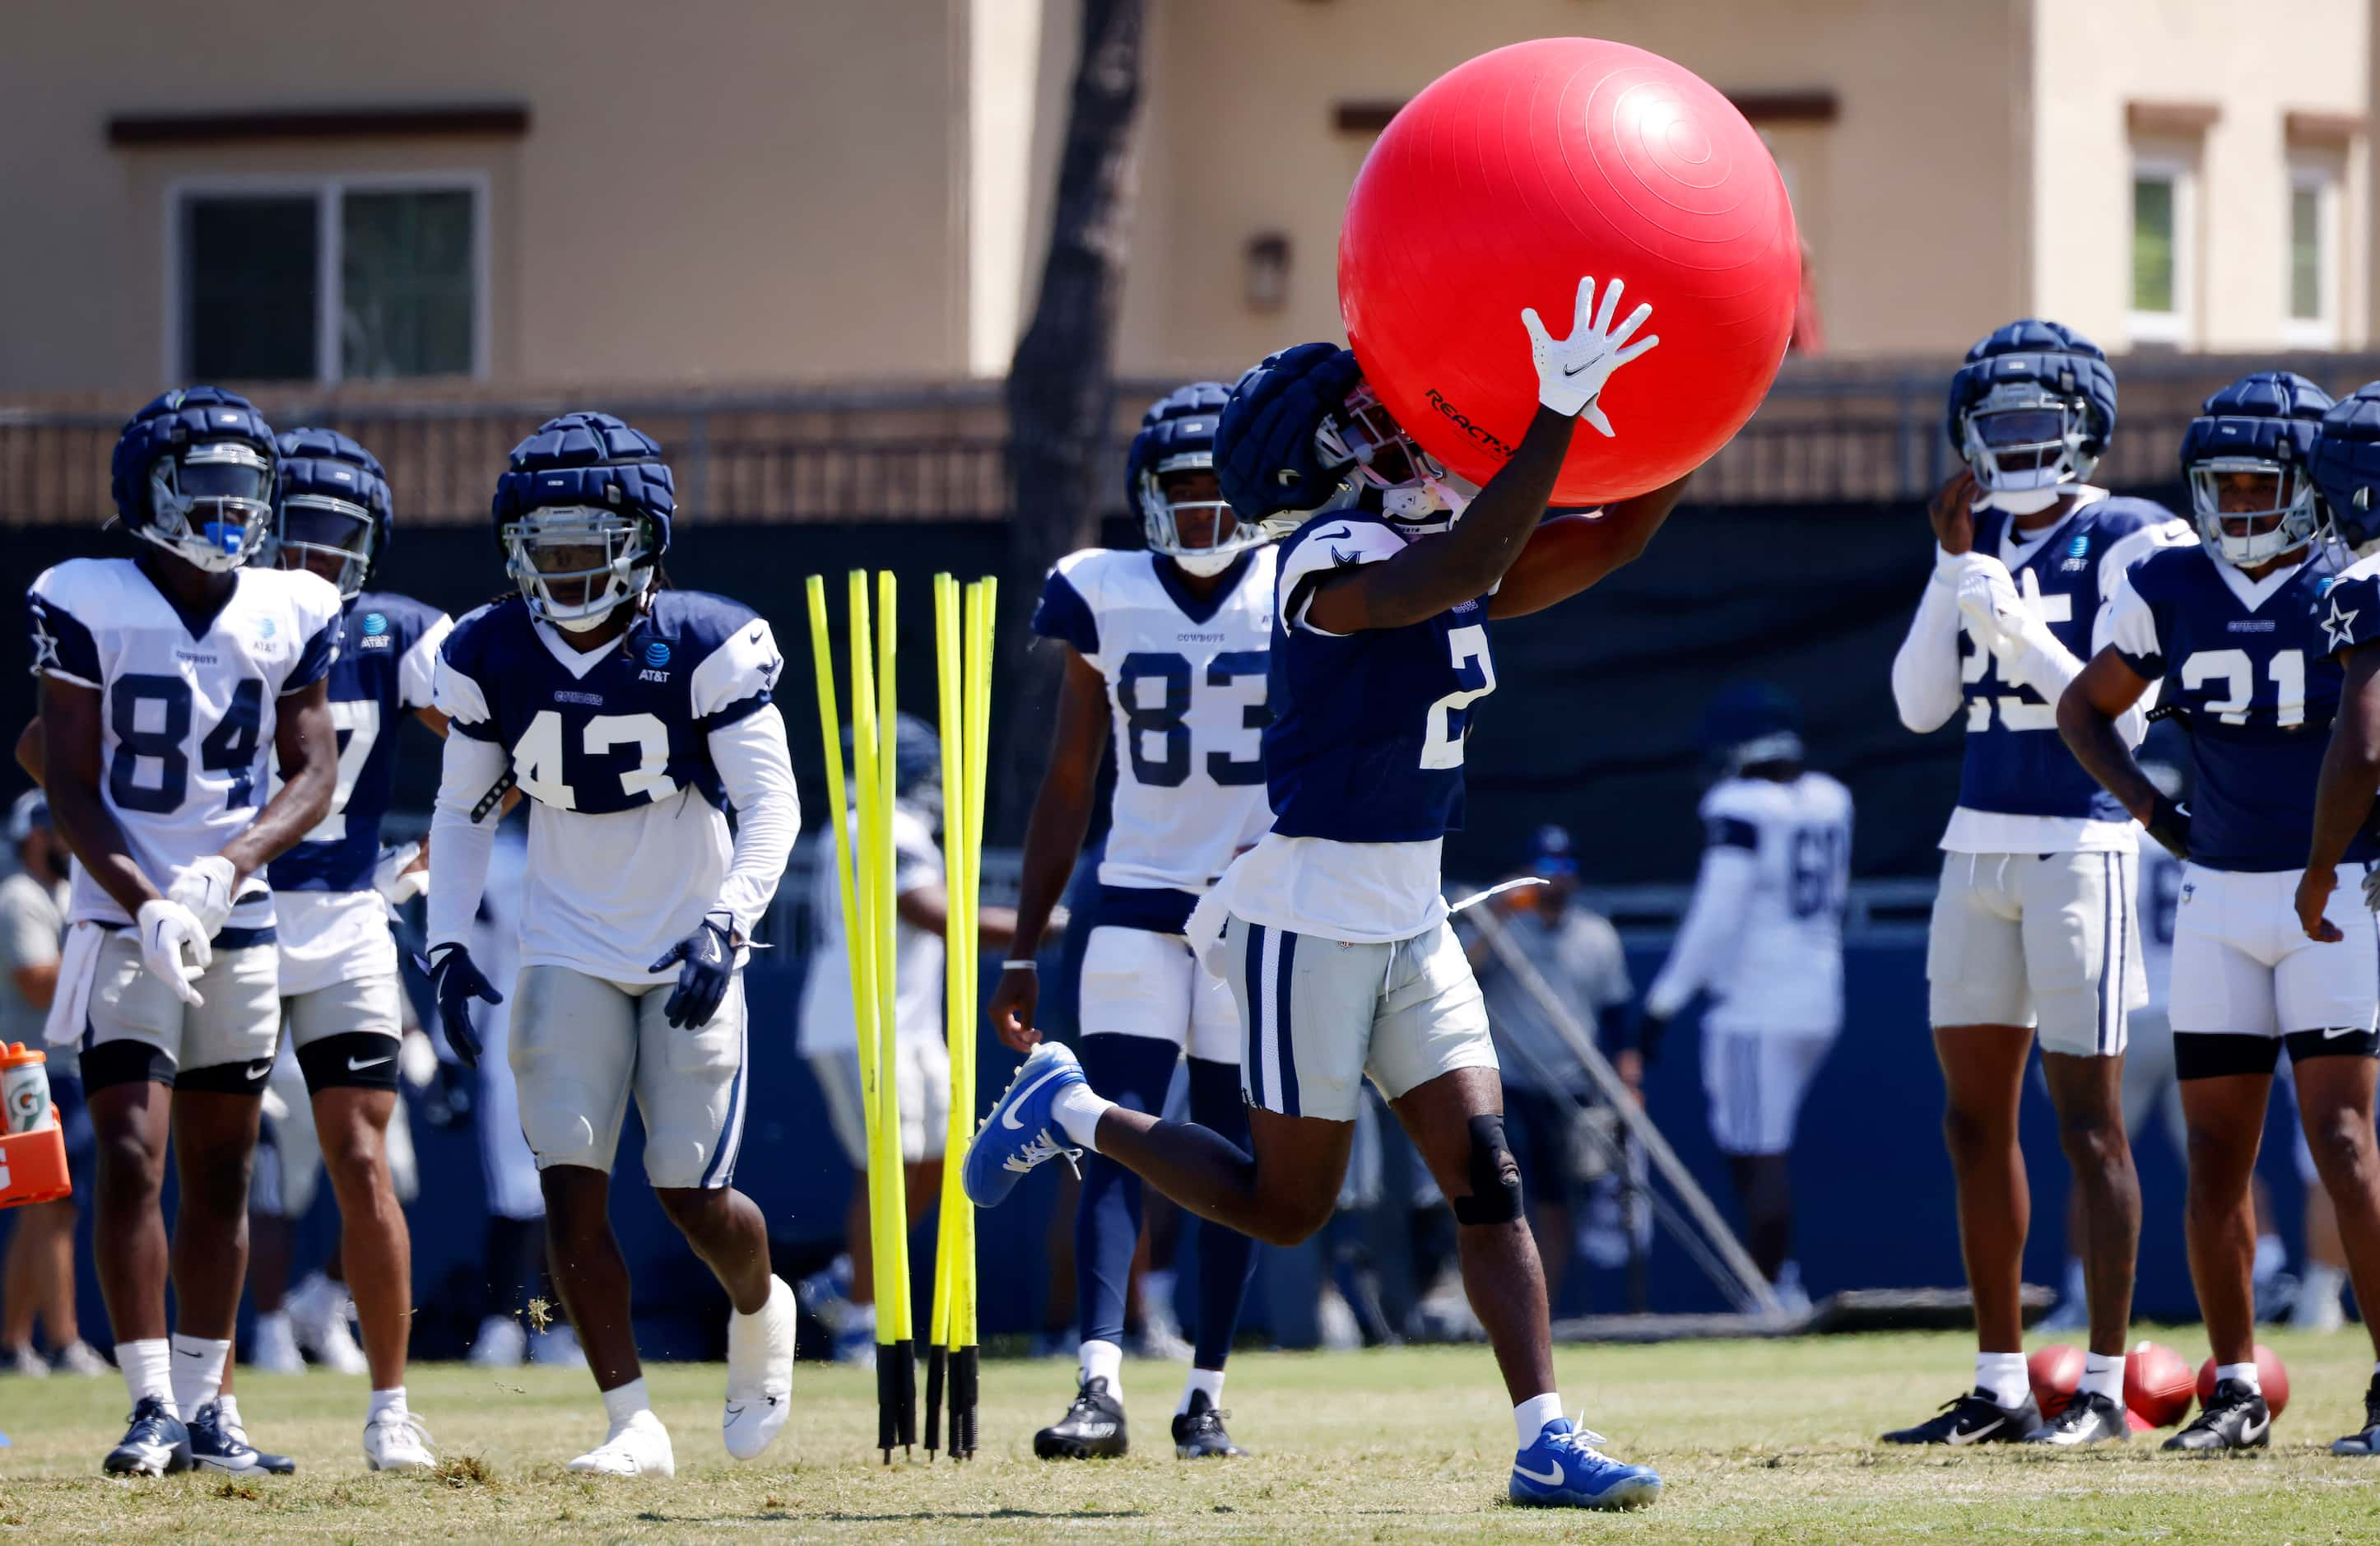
column 2251, row 665
column 1367, row 739
column 620, row 729
column 387, row 645
column 2015, row 762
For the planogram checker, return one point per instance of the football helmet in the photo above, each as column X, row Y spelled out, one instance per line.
column 1749, row 724
column 329, row 502
column 583, row 515
column 2245, row 458
column 2032, row 408
column 1177, row 436
column 192, row 472
column 2346, row 467
column 1303, row 434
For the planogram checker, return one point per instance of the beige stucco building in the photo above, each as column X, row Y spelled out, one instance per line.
column 837, row 191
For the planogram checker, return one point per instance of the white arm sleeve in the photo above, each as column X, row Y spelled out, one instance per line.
column 462, row 846
column 416, row 674
column 1925, row 687
column 758, row 770
column 1708, row 936
column 2126, row 622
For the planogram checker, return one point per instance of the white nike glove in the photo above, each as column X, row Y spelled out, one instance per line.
column 1570, row 371
column 205, row 886
column 394, row 880
column 166, row 927
column 1988, row 599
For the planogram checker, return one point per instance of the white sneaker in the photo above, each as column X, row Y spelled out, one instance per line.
column 80, row 1357
column 395, row 1441
column 557, row 1348
column 639, row 1446
column 274, row 1351
column 501, row 1343
column 318, row 1310
column 2319, row 1313
column 760, row 1373
column 27, row 1364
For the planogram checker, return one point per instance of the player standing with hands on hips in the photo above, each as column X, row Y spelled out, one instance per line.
column 631, row 716
column 1331, row 931
column 2032, row 934
column 166, row 680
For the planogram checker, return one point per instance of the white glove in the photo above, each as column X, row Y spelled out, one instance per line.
column 166, row 926
column 1570, row 371
column 205, row 886
column 2008, row 620
column 394, row 881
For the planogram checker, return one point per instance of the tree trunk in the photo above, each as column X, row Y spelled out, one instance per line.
column 1061, row 387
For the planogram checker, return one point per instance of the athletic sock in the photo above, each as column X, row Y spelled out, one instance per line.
column 391, row 1400
column 228, row 1414
column 148, row 1367
column 1529, row 1419
column 1077, row 1109
column 1208, row 1379
column 2246, row 1373
column 622, row 1402
column 1103, row 1360
column 197, row 1371
column 2103, row 1374
column 2002, row 1377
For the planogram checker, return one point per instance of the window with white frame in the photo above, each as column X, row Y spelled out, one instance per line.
column 329, row 281
column 2312, row 321
column 2160, row 294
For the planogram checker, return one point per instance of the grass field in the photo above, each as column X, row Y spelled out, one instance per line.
column 1767, row 1441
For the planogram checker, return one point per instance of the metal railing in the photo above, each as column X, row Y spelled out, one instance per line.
column 1830, row 433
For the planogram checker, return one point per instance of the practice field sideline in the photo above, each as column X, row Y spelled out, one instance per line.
column 1756, row 1440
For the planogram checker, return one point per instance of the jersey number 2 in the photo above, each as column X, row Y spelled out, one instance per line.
column 538, row 760
column 1450, row 717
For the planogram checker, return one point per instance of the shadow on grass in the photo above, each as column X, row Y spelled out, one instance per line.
column 654, row 1516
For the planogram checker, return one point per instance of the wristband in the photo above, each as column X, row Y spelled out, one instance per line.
column 1027, row 964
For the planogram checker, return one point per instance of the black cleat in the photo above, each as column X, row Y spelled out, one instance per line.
column 2236, row 1418
column 1091, row 1430
column 2087, row 1419
column 216, row 1445
column 2368, row 1441
column 155, row 1443
column 1198, row 1433
column 1972, row 1418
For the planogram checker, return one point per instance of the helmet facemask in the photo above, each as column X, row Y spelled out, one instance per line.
column 576, row 566
column 2023, row 438
column 334, row 538
column 1185, row 517
column 211, row 503
column 2252, row 510
column 1416, row 494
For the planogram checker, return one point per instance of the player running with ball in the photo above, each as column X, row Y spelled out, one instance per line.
column 633, row 716
column 1331, row 931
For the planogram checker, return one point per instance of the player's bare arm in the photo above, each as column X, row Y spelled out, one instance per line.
column 306, row 750
column 2087, row 712
column 71, row 772
column 1053, row 836
column 2342, row 801
column 28, row 750
column 1569, row 553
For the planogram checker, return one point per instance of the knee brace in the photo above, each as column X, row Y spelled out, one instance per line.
column 1495, row 1176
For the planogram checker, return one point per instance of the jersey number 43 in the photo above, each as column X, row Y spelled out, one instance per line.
column 543, row 763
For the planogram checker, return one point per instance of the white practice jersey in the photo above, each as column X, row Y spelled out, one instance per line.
column 1186, row 683
column 2160, row 897
column 1764, row 936
column 186, row 730
column 826, row 1024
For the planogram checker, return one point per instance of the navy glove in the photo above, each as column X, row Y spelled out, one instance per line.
column 706, row 964
column 455, row 980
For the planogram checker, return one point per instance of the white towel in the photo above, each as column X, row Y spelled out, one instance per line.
column 71, row 1001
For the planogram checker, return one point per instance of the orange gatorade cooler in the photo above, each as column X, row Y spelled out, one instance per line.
column 32, row 1147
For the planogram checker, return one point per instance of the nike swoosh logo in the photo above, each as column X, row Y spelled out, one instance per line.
column 1988, row 1428
column 258, row 1071
column 1008, row 1115
column 2254, row 1431
column 1553, row 1477
column 1573, row 370
column 191, row 1352
column 1334, row 536
column 357, row 1065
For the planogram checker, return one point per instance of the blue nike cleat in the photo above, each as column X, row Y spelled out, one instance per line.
column 217, row 1445
column 1021, row 1132
column 1563, row 1469
column 155, row 1443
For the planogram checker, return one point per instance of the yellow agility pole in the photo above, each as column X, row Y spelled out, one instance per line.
column 896, row 1379
column 958, row 1018
column 981, row 613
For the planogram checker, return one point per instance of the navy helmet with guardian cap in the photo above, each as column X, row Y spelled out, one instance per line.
column 1303, row 433
column 1176, row 444
column 2032, row 408
column 2346, row 466
column 583, row 513
column 192, row 472
column 2245, row 458
column 331, row 501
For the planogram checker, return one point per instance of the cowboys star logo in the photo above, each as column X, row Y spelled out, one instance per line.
column 2339, row 625
column 45, row 644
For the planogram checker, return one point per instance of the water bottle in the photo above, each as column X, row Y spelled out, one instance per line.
column 25, row 1088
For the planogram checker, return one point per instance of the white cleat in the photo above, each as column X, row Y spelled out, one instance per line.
column 760, row 1373
column 395, row 1441
column 501, row 1343
column 274, row 1349
column 639, row 1446
column 80, row 1357
column 318, row 1311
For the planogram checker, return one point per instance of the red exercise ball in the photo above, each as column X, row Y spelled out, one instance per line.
column 1510, row 178
column 2272, row 1374
column 2055, row 1371
column 2156, row 1383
